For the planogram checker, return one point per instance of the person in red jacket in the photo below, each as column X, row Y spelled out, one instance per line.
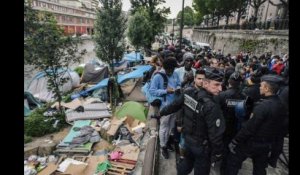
column 278, row 67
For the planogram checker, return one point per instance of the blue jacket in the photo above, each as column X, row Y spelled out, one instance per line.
column 157, row 87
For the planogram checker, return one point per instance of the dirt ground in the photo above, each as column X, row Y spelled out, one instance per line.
column 54, row 137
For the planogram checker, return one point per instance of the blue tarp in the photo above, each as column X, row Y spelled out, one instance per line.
column 133, row 57
column 139, row 72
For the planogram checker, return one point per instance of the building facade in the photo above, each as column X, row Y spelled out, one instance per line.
column 266, row 12
column 73, row 18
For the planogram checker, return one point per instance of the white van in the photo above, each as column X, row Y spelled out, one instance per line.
column 204, row 46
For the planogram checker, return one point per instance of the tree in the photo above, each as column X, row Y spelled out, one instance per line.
column 188, row 16
column 48, row 50
column 284, row 4
column 241, row 6
column 198, row 18
column 138, row 29
column 225, row 8
column 256, row 4
column 109, row 27
column 206, row 8
column 157, row 17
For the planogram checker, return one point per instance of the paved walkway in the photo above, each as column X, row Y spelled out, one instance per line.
column 168, row 167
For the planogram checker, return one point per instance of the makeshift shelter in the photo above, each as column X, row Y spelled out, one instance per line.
column 93, row 73
column 30, row 103
column 38, row 85
column 137, row 73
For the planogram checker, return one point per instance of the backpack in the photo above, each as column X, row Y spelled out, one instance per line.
column 154, row 100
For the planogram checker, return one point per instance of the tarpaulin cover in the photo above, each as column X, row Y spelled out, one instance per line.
column 137, row 73
column 133, row 57
column 72, row 133
column 133, row 109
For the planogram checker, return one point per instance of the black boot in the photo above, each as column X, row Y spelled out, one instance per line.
column 170, row 144
column 164, row 152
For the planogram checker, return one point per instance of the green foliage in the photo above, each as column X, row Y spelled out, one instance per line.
column 110, row 26
column 249, row 45
column 36, row 125
column 47, row 49
column 157, row 17
column 79, row 70
column 139, row 28
column 188, row 17
column 27, row 139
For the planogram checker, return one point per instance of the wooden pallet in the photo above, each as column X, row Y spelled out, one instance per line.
column 119, row 169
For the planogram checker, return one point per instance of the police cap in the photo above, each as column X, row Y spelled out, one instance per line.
column 272, row 79
column 214, row 74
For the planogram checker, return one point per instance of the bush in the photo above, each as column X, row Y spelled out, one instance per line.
column 36, row 125
column 79, row 70
column 27, row 139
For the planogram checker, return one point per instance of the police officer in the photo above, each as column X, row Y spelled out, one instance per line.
column 203, row 125
column 261, row 130
column 228, row 99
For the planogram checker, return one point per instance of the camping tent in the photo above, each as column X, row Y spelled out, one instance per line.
column 133, row 109
column 38, row 85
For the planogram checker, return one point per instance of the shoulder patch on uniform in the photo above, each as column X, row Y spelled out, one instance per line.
column 218, row 122
column 190, row 102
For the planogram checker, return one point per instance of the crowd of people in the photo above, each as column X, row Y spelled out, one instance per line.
column 220, row 109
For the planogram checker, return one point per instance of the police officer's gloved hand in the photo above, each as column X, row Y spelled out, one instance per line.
column 215, row 158
column 156, row 116
column 232, row 146
column 177, row 91
column 272, row 161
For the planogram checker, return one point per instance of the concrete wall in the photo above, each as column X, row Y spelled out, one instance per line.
column 234, row 41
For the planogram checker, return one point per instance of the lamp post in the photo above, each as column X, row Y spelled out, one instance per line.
column 181, row 24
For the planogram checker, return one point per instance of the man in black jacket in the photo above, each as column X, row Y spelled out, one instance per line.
column 203, row 125
column 264, row 127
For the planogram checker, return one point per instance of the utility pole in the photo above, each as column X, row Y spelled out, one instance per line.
column 173, row 31
column 181, row 24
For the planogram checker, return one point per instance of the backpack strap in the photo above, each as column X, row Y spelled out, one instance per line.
column 165, row 82
column 165, row 79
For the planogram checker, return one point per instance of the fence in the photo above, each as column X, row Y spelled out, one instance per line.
column 280, row 24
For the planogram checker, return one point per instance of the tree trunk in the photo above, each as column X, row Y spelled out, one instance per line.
column 256, row 12
column 227, row 20
column 238, row 18
column 212, row 20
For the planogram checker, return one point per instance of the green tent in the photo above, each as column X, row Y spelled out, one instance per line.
column 134, row 109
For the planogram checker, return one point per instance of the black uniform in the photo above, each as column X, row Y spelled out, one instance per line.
column 252, row 91
column 256, row 137
column 203, row 127
column 227, row 100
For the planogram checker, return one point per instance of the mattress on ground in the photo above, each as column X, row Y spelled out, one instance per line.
column 86, row 115
column 72, row 133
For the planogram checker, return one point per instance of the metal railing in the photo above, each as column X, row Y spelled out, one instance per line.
column 280, row 24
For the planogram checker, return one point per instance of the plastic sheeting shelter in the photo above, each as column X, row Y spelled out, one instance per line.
column 139, row 72
column 38, row 85
column 133, row 57
column 133, row 109
column 30, row 103
column 93, row 73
